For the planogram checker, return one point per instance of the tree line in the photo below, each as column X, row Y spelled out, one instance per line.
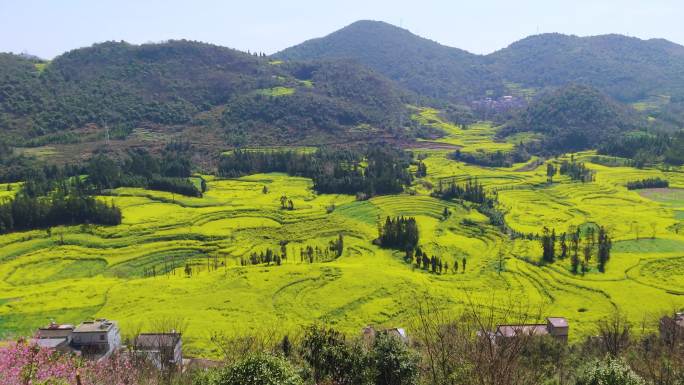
column 519, row 154
column 68, row 204
column 580, row 248
column 647, row 148
column 168, row 171
column 435, row 265
column 577, row 171
column 307, row 254
column 373, row 170
column 471, row 190
column 648, row 183
column 401, row 233
column 52, row 195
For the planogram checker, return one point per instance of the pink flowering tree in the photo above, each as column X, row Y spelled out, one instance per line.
column 24, row 364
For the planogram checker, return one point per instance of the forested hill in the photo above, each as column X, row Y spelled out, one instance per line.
column 628, row 69
column 419, row 64
column 182, row 84
column 574, row 117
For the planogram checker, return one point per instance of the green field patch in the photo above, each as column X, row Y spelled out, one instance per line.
column 668, row 272
column 228, row 225
column 672, row 196
column 56, row 269
column 276, row 91
column 657, row 245
column 25, row 324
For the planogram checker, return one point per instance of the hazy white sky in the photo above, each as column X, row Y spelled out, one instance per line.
column 49, row 27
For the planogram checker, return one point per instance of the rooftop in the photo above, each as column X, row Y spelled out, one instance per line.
column 516, row 330
column 157, row 340
column 55, row 330
column 558, row 322
column 49, row 343
column 99, row 325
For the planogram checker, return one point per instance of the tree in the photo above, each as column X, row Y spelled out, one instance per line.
column 548, row 241
column 286, row 346
column 604, row 246
column 332, row 358
column 339, row 246
column 614, row 334
column 446, row 213
column 260, row 369
column 393, row 361
column 574, row 246
column 500, row 257
column 463, row 264
column 563, row 246
column 421, row 170
column 550, row 172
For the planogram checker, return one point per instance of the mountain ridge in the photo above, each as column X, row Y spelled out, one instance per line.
column 627, row 68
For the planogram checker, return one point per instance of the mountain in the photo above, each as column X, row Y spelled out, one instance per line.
column 177, row 85
column 419, row 64
column 573, row 118
column 628, row 69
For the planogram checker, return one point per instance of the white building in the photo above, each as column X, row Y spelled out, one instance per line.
column 164, row 350
column 96, row 339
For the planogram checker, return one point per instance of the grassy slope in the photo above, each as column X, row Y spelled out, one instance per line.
column 84, row 271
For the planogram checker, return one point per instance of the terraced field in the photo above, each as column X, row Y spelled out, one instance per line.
column 71, row 273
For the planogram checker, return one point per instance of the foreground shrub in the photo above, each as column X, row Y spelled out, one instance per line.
column 608, row 372
column 262, row 369
column 333, row 359
column 394, row 362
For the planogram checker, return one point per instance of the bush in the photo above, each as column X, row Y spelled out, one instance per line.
column 608, row 372
column 261, row 369
column 331, row 358
column 394, row 363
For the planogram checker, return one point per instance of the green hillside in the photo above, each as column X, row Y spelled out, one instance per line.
column 575, row 118
column 626, row 68
column 419, row 64
column 177, row 85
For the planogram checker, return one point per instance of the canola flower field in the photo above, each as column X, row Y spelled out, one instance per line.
column 69, row 274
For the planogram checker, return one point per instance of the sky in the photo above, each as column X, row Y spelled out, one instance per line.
column 47, row 28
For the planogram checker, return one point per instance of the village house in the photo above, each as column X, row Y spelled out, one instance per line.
column 369, row 333
column 556, row 327
column 54, row 336
column 672, row 328
column 164, row 350
column 92, row 340
column 96, row 339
